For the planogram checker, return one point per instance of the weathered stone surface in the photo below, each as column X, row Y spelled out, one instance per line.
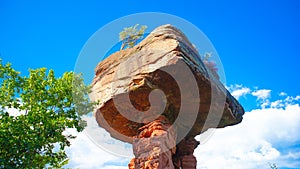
column 153, row 146
column 137, row 71
column 184, row 158
column 144, row 90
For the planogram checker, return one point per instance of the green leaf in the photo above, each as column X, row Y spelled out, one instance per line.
column 50, row 105
column 129, row 36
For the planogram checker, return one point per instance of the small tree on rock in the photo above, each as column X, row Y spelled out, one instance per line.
column 211, row 65
column 129, row 36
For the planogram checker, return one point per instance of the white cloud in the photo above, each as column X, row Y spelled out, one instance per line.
column 290, row 99
column 238, row 90
column 254, row 142
column 84, row 154
column 15, row 112
column 262, row 94
column 284, row 102
column 94, row 149
column 277, row 104
column 265, row 103
column 282, row 94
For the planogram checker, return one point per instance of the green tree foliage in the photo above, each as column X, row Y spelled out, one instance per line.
column 129, row 36
column 211, row 65
column 35, row 139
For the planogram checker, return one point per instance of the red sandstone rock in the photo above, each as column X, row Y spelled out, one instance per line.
column 131, row 164
column 131, row 111
column 152, row 146
column 188, row 162
column 184, row 158
column 137, row 71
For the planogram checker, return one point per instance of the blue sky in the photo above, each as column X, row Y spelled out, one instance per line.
column 257, row 42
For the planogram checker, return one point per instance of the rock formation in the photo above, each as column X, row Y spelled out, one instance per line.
column 158, row 96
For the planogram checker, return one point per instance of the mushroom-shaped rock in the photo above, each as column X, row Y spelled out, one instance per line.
column 160, row 90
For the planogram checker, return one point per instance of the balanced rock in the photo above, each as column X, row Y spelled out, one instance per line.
column 158, row 96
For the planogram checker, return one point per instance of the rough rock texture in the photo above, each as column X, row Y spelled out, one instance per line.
column 151, row 149
column 162, row 77
column 184, row 158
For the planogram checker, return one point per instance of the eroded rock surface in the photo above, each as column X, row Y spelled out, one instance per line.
column 151, row 146
column 184, row 158
column 144, row 90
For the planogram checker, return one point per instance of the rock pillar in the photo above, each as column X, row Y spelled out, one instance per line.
column 184, row 158
column 154, row 146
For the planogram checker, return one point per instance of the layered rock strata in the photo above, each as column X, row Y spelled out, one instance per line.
column 161, row 90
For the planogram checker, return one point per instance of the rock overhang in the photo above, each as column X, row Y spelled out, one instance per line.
column 128, row 77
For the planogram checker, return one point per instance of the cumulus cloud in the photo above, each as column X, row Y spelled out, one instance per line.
column 277, row 104
column 85, row 154
column 94, row 149
column 290, row 99
column 281, row 103
column 238, row 90
column 15, row 112
column 262, row 94
column 264, row 136
column 282, row 94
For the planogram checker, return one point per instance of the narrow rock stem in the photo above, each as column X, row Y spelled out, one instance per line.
column 184, row 158
column 154, row 146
